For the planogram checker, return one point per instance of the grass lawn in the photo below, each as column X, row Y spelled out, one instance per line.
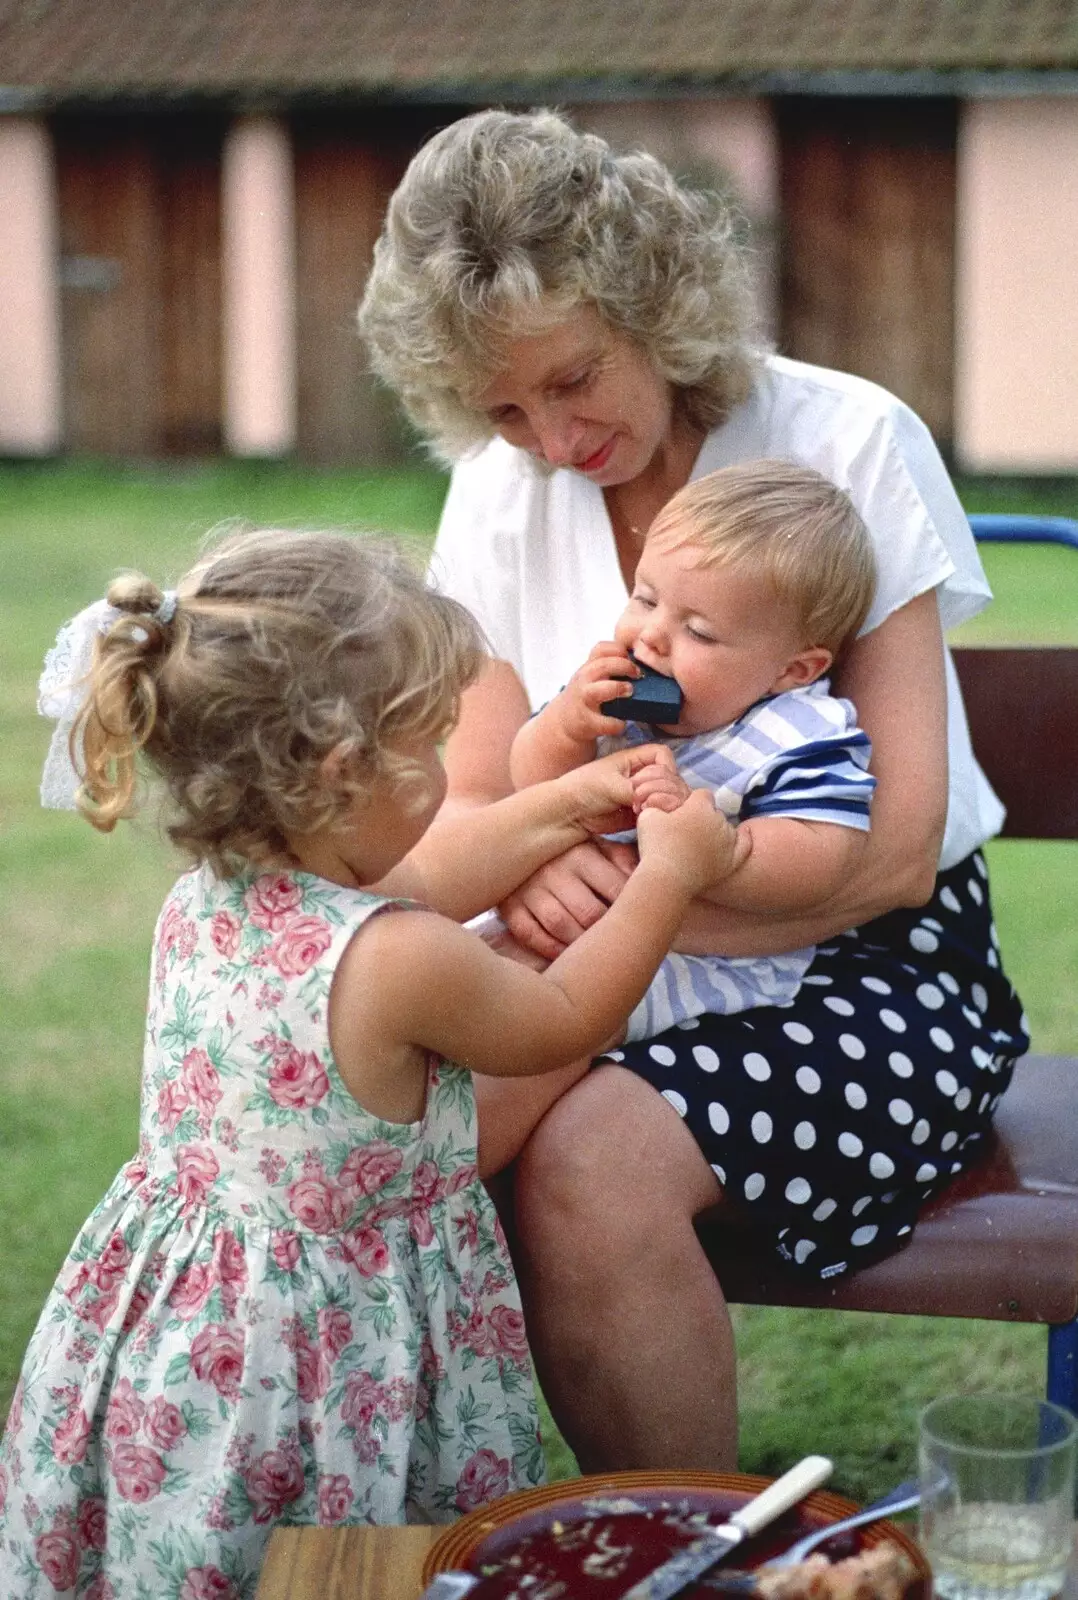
column 78, row 909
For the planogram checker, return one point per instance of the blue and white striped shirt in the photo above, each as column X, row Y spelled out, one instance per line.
column 796, row 754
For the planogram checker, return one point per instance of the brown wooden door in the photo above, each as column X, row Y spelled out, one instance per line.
column 140, row 274
column 347, row 165
column 867, row 250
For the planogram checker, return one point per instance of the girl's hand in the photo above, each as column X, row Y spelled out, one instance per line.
column 659, row 787
column 604, row 792
column 696, row 842
column 601, row 678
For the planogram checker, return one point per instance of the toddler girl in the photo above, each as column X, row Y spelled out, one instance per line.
column 295, row 1304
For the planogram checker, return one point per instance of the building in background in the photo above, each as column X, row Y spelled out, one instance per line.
column 189, row 193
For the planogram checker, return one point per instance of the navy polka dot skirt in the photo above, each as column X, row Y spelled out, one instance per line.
column 834, row 1118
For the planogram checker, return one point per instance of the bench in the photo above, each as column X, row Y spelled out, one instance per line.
column 1002, row 1242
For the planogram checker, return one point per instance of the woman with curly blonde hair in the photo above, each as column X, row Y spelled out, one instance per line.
column 572, row 327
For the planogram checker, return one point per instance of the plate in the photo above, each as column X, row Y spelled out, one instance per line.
column 485, row 1534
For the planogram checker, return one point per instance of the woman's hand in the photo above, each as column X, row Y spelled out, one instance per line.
column 567, row 896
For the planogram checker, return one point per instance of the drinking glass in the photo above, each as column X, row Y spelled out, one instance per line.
column 997, row 1496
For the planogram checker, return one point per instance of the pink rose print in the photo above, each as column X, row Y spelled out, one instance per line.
column 171, row 923
column 273, row 1480
column 334, row 1328
column 285, row 1249
column 399, row 1398
column 366, row 1250
column 419, row 1226
column 362, row 1396
column 90, row 1520
column 477, row 1335
column 300, row 945
column 136, row 1306
column 225, row 933
column 100, row 1589
column 369, row 1167
column 191, row 1290
column 207, row 1583
column 298, row 1079
column 138, row 1471
column 313, row 1371
column 58, row 1555
column 318, row 1204
column 172, row 1102
column 202, row 1081
column 111, row 1265
column 427, row 1183
column 135, row 1170
column 231, row 1264
column 70, row 1439
column 271, row 900
column 196, row 1172
column 507, row 1327
column 334, row 1499
column 14, row 1416
column 125, row 1413
column 217, row 1358
column 165, row 1425
column 467, row 1228
column 485, row 1477
column 3, row 1487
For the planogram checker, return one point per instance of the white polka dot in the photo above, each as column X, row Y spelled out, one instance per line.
column 949, row 981
column 962, row 1099
column 992, row 959
column 851, row 1046
column 921, row 1131
column 720, row 1172
column 901, row 1112
column 949, row 899
column 718, row 1116
column 949, row 1140
column 880, row 1166
column 798, row 1190
column 797, row 1032
column 705, row 1058
column 850, row 1144
column 978, row 862
column 678, row 1101
column 803, row 1249
column 861, row 1236
column 976, row 893
column 983, row 1102
column 663, row 1054
column 825, row 1209
column 615, row 1055
column 804, row 1136
column 974, row 1018
column 808, row 1080
column 859, row 1205
column 877, row 985
column 930, row 922
column 757, row 1066
column 841, row 1007
column 946, row 1083
column 980, row 996
column 941, row 1039
column 818, row 978
column 922, row 939
column 900, row 1065
column 925, row 1172
column 761, row 1126
column 755, row 1185
column 688, row 1025
column 892, row 1020
column 929, row 996
column 856, row 1098
column 981, row 1057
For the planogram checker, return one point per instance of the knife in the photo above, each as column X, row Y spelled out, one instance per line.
column 681, row 1569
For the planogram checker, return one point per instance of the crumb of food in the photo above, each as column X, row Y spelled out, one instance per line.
column 882, row 1573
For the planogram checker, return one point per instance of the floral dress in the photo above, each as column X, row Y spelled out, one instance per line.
column 284, row 1310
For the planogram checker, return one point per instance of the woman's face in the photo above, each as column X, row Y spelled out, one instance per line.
column 584, row 396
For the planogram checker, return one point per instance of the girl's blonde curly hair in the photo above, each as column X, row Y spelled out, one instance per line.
column 284, row 647
column 506, row 218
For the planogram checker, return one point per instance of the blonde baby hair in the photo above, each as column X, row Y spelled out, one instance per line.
column 793, row 528
column 282, row 648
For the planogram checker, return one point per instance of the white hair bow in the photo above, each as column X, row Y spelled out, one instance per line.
column 61, row 691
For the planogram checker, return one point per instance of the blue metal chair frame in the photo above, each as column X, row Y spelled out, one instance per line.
column 1005, row 528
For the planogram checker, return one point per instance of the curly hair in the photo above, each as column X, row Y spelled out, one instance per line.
column 793, row 529
column 507, row 217
column 284, row 647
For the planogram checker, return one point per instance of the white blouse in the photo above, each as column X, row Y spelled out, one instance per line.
column 532, row 553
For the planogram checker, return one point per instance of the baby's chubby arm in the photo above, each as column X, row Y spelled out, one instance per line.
column 790, row 865
column 563, row 734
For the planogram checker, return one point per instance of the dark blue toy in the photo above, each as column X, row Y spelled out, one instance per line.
column 655, row 698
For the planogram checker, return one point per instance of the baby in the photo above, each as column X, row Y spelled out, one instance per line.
column 750, row 583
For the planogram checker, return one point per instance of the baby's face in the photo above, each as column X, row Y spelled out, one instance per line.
column 717, row 630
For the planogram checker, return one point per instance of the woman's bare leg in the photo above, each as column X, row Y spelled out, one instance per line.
column 627, row 1322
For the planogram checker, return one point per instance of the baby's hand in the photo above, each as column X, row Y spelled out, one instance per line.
column 659, row 786
column 696, row 840
column 601, row 678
